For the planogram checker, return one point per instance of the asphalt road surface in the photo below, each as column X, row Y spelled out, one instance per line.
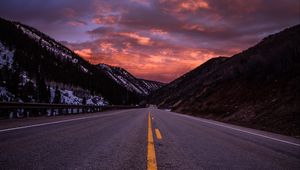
column 135, row 139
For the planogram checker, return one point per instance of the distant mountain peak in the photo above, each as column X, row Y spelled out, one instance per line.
column 131, row 83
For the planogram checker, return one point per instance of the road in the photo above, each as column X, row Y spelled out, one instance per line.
column 145, row 138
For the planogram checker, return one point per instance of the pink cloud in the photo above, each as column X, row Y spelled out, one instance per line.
column 142, row 40
column 76, row 23
column 106, row 19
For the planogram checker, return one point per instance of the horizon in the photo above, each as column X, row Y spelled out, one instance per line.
column 128, row 34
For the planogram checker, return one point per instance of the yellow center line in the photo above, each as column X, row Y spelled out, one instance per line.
column 158, row 134
column 151, row 159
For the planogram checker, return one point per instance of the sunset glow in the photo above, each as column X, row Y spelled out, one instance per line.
column 155, row 39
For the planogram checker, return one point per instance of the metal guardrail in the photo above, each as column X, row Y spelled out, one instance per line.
column 17, row 109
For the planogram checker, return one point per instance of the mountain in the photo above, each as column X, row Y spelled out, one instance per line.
column 132, row 84
column 34, row 67
column 259, row 87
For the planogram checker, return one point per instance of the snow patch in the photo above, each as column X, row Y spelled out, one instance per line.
column 96, row 100
column 84, row 69
column 24, row 78
column 29, row 33
column 6, row 56
column 5, row 95
column 68, row 97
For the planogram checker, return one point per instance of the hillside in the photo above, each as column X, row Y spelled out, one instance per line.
column 33, row 66
column 258, row 87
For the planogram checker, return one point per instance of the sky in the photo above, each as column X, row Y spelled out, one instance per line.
column 155, row 39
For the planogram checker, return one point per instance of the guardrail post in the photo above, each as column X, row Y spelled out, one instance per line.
column 22, row 112
column 11, row 114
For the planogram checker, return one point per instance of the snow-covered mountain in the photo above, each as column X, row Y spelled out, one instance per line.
column 125, row 79
column 33, row 66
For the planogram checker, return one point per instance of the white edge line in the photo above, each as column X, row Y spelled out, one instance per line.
column 57, row 122
column 268, row 137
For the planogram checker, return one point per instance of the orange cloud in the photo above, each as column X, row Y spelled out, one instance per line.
column 160, row 61
column 110, row 19
column 164, row 65
column 158, row 31
column 193, row 5
column 193, row 27
column 107, row 47
column 85, row 53
column 186, row 5
column 142, row 40
column 168, row 65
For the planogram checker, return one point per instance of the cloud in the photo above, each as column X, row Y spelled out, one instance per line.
column 155, row 39
column 159, row 60
column 76, row 23
column 141, row 2
column 160, row 32
column 142, row 40
column 186, row 5
column 86, row 53
column 106, row 19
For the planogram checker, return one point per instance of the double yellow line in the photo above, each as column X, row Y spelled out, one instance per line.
column 151, row 158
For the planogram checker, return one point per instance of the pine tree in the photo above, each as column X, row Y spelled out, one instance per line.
column 4, row 75
column 13, row 82
column 57, row 96
column 43, row 93
column 27, row 91
column 84, row 101
column 48, row 94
